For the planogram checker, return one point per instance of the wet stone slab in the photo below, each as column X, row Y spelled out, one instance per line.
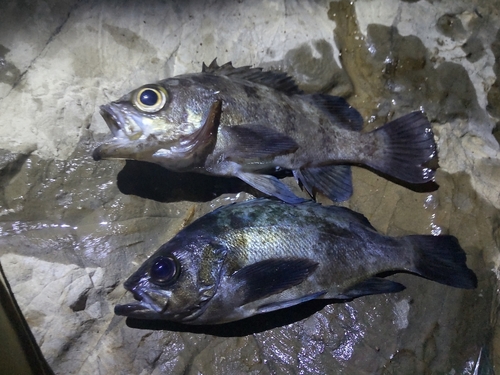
column 72, row 230
column 66, row 255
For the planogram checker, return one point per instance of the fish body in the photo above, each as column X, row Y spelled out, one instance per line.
column 262, row 255
column 247, row 123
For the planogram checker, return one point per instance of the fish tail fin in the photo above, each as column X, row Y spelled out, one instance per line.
column 408, row 144
column 441, row 259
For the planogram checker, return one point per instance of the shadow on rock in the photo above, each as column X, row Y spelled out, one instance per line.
column 152, row 181
column 244, row 327
column 418, row 188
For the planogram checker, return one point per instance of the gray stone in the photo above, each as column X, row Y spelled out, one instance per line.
column 71, row 231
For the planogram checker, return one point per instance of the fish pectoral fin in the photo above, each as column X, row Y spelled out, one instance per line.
column 373, row 285
column 334, row 181
column 269, row 185
column 255, row 142
column 272, row 276
column 268, row 307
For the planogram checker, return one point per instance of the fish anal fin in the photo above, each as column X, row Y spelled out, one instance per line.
column 272, row 276
column 373, row 285
column 354, row 218
column 333, row 181
column 288, row 303
column 255, row 142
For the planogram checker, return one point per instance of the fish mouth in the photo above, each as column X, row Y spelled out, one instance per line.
column 145, row 308
column 111, row 119
column 121, row 121
column 131, row 309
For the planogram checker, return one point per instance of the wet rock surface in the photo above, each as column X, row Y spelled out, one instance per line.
column 72, row 229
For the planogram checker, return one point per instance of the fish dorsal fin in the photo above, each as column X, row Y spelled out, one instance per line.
column 339, row 110
column 352, row 216
column 277, row 80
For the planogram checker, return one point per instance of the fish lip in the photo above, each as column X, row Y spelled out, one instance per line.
column 137, row 296
column 112, row 119
column 130, row 309
column 144, row 308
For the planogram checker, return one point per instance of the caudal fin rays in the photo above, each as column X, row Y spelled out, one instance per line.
column 441, row 259
column 408, row 145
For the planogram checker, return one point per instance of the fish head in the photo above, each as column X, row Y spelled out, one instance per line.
column 137, row 113
column 176, row 283
column 170, row 123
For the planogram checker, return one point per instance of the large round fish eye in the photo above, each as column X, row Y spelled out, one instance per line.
column 150, row 99
column 164, row 270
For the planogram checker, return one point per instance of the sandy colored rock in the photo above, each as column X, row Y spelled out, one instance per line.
column 72, row 229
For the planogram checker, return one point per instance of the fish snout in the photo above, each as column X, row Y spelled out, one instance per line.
column 122, row 120
column 96, row 154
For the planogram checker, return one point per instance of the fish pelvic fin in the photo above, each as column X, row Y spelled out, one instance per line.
column 441, row 259
column 408, row 144
column 269, row 185
column 373, row 285
column 333, row 181
column 288, row 303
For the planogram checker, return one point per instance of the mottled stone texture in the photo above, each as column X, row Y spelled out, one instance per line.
column 72, row 229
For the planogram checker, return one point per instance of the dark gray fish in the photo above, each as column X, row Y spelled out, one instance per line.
column 247, row 123
column 262, row 255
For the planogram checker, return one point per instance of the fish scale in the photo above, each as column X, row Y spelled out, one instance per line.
column 263, row 255
column 248, row 123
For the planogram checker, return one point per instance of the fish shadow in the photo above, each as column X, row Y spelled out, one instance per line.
column 151, row 181
column 426, row 187
column 248, row 326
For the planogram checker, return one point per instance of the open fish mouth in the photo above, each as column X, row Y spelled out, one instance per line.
column 111, row 120
column 120, row 121
column 145, row 308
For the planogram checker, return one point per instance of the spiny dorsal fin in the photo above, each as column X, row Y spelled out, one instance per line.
column 277, row 80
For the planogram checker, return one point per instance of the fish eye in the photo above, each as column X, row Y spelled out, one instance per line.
column 150, row 99
column 164, row 270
